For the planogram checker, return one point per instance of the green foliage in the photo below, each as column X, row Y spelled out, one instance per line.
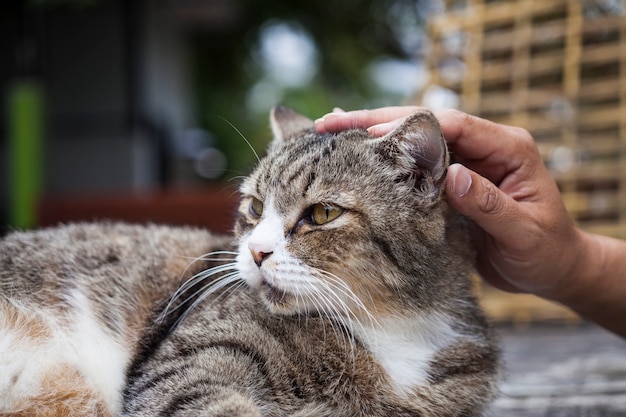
column 349, row 35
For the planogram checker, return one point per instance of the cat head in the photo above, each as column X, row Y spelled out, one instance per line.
column 343, row 223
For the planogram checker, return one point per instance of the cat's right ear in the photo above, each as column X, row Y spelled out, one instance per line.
column 287, row 124
column 421, row 150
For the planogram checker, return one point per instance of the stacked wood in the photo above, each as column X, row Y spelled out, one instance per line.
column 558, row 69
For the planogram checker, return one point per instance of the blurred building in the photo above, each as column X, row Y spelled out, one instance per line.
column 97, row 95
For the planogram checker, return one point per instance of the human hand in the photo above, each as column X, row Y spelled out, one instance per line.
column 525, row 239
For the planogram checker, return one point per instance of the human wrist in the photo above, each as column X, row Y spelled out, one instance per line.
column 597, row 289
column 578, row 278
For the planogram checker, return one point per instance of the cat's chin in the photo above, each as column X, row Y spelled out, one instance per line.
column 277, row 300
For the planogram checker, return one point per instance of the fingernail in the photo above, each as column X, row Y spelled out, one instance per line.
column 461, row 180
column 383, row 128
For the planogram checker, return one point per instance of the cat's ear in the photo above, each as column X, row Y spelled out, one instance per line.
column 287, row 124
column 420, row 138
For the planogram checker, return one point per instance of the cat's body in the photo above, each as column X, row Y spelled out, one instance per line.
column 357, row 299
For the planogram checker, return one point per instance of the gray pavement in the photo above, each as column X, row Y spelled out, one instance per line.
column 562, row 371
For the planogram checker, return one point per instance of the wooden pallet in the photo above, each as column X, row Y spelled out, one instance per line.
column 559, row 70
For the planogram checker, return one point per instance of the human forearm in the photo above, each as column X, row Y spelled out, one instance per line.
column 597, row 291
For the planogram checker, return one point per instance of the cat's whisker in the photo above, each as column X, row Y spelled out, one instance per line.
column 217, row 259
column 207, row 273
column 341, row 285
column 195, row 280
column 211, row 287
column 336, row 286
column 218, row 252
column 237, row 178
column 334, row 319
column 221, row 252
column 230, row 290
column 329, row 309
column 340, row 311
column 243, row 137
column 211, row 256
column 345, row 319
column 206, row 291
column 334, row 290
column 317, row 301
column 206, row 257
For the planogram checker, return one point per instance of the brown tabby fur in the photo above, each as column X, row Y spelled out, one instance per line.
column 92, row 324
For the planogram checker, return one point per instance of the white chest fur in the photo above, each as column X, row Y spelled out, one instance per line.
column 405, row 346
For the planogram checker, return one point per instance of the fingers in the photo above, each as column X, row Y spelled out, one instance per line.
column 476, row 142
column 476, row 138
column 380, row 120
column 383, row 128
column 489, row 207
column 491, row 149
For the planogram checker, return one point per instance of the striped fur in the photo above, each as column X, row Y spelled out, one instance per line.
column 369, row 314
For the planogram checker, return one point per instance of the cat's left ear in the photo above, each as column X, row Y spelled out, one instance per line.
column 287, row 124
column 420, row 138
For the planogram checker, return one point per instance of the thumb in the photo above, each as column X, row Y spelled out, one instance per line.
column 479, row 199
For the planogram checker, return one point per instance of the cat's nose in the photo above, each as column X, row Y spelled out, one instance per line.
column 259, row 256
column 259, row 253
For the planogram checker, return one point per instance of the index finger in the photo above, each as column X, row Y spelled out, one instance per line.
column 484, row 142
column 335, row 122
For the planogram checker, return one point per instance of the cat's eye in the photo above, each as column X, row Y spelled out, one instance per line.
column 256, row 207
column 322, row 213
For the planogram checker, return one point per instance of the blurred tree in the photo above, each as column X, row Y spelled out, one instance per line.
column 348, row 38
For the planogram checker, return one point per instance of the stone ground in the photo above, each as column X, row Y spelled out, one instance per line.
column 562, row 371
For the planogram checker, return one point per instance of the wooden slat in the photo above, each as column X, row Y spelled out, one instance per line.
column 603, row 24
column 494, row 13
column 538, row 98
column 501, row 40
column 584, row 204
column 622, row 126
column 546, row 33
column 471, row 85
column 542, row 64
column 601, row 53
column 598, row 90
column 599, row 117
column 527, row 58
column 518, row 76
column 596, row 172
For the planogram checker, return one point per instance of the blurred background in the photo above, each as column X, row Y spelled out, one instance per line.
column 136, row 105
column 149, row 110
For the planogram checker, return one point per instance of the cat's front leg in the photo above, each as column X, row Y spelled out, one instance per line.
column 199, row 402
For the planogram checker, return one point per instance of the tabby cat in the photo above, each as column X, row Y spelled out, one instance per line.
column 345, row 291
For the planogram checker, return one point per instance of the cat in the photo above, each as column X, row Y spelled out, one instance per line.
column 345, row 291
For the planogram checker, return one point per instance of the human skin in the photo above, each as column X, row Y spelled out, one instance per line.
column 525, row 239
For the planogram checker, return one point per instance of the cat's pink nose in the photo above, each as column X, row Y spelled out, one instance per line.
column 259, row 250
column 259, row 256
